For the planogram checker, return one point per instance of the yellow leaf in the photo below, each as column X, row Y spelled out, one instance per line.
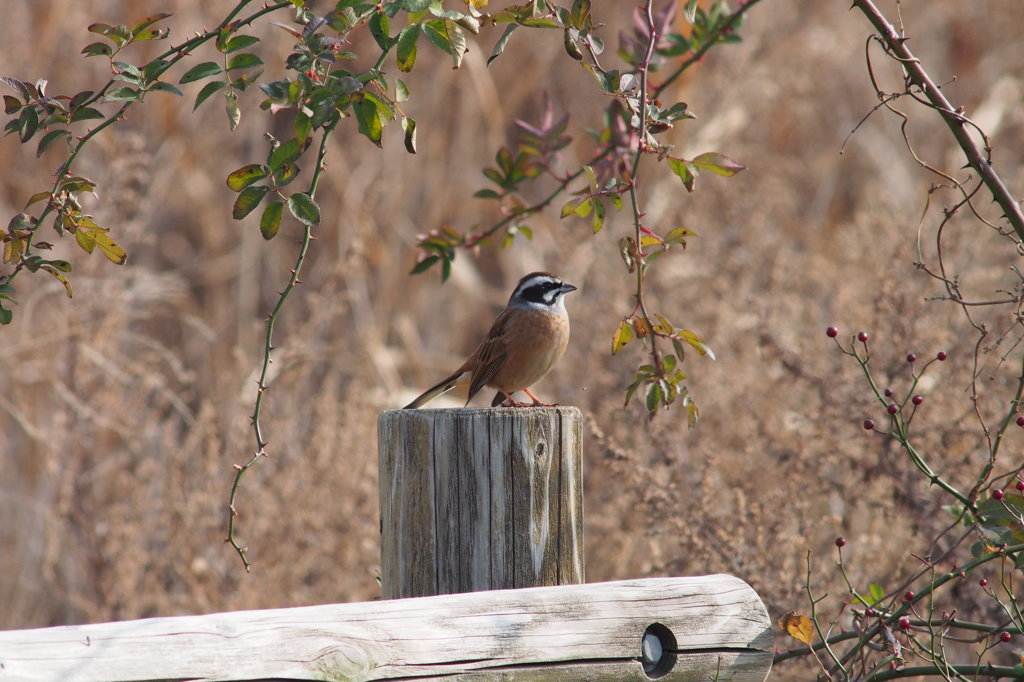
column 91, row 236
column 798, row 627
column 663, row 326
column 13, row 249
column 623, row 335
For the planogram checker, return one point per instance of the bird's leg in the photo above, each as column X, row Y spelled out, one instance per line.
column 537, row 403
column 512, row 402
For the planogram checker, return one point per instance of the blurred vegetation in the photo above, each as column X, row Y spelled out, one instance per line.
column 123, row 409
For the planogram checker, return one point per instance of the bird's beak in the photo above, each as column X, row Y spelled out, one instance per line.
column 566, row 288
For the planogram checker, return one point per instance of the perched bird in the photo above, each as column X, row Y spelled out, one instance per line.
column 524, row 343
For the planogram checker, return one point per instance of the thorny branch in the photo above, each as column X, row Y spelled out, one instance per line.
column 980, row 160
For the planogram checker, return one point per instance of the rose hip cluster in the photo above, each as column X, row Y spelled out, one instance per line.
column 893, row 408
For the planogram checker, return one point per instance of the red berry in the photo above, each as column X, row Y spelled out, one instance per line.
column 1020, row 420
column 917, row 399
column 888, row 392
column 941, row 355
column 997, row 494
column 1020, row 486
column 840, row 542
column 911, row 357
column 832, row 332
column 983, row 582
column 904, row 623
column 1005, row 636
column 862, row 337
column 869, row 424
column 908, row 596
column 892, row 409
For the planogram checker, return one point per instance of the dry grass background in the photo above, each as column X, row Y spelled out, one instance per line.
column 123, row 409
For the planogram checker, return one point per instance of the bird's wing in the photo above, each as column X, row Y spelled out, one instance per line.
column 490, row 355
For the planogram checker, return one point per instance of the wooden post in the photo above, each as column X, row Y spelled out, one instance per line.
column 480, row 499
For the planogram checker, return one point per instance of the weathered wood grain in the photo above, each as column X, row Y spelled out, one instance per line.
column 570, row 632
column 476, row 499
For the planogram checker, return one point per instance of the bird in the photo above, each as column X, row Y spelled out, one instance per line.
column 524, row 343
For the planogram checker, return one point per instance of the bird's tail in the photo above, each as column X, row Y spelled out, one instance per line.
column 442, row 387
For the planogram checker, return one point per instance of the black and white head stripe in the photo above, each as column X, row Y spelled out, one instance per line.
column 540, row 289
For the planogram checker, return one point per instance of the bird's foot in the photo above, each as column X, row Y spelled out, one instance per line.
column 515, row 403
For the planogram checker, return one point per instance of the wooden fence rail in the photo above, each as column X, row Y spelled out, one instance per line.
column 698, row 629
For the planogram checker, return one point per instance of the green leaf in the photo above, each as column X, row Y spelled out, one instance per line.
column 303, row 127
column 208, row 89
column 38, row 196
column 49, row 138
column 579, row 15
column 5, row 315
column 286, row 174
column 385, row 109
column 26, row 90
column 231, row 107
column 286, row 152
column 406, row 51
column 368, row 119
column 154, row 69
column 409, row 126
column 128, row 72
column 85, row 114
column 437, row 32
column 654, row 396
column 270, row 221
column 246, row 60
column 401, row 91
column 599, row 212
column 684, row 170
column 166, row 87
column 239, row 43
column 480, row 194
column 499, row 46
column 200, row 71
column 96, row 49
column 146, row 22
column 248, row 199
column 28, row 123
column 124, row 94
column 246, row 175
column 424, row 264
column 571, row 48
column 11, row 104
column 690, row 11
column 718, row 164
column 304, row 208
column 458, row 43
column 379, row 27
column 876, row 592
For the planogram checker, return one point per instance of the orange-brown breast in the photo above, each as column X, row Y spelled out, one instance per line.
column 534, row 340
